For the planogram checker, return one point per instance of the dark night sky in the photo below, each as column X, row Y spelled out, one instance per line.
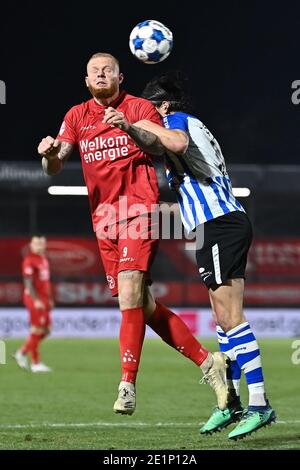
column 241, row 58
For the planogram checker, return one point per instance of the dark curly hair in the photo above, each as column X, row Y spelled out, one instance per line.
column 172, row 87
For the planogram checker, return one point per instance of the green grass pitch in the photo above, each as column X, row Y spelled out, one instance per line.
column 72, row 407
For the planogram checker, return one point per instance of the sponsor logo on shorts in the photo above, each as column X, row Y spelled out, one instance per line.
column 111, row 281
column 204, row 274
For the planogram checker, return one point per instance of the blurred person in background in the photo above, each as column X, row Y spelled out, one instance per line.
column 38, row 300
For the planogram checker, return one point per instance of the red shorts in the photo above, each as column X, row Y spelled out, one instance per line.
column 38, row 317
column 130, row 244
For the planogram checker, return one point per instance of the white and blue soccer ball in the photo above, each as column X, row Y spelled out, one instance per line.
column 151, row 41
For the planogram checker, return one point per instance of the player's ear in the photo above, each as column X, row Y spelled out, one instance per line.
column 165, row 106
column 87, row 81
column 121, row 78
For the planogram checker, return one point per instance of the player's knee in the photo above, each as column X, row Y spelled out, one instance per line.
column 224, row 321
column 222, row 314
column 236, row 319
column 130, row 298
column 38, row 330
column 228, row 319
column 130, row 289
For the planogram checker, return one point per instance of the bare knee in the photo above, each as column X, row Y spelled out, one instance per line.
column 227, row 304
column 222, row 317
column 130, row 285
column 40, row 331
column 228, row 318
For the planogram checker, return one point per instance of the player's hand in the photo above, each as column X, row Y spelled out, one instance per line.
column 49, row 147
column 38, row 304
column 115, row 118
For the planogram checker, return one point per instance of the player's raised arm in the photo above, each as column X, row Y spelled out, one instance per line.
column 147, row 141
column 174, row 140
column 54, row 153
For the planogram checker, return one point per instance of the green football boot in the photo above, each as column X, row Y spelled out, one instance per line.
column 253, row 418
column 221, row 419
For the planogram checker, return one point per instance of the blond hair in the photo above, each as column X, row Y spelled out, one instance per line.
column 104, row 54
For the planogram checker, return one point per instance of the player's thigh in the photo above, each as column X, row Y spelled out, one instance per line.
column 109, row 253
column 131, row 287
column 40, row 319
column 137, row 243
column 224, row 253
column 137, row 250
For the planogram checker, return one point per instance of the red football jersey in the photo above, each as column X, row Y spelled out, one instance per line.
column 113, row 165
column 36, row 267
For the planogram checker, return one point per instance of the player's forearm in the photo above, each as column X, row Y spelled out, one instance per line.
column 146, row 140
column 176, row 141
column 53, row 166
column 29, row 289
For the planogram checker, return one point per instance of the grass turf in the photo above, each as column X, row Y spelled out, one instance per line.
column 71, row 408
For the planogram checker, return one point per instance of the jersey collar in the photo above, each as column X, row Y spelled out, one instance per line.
column 96, row 107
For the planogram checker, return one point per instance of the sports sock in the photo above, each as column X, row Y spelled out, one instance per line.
column 132, row 332
column 176, row 334
column 32, row 346
column 246, row 351
column 233, row 372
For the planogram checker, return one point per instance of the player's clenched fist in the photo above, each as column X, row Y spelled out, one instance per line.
column 115, row 119
column 49, row 147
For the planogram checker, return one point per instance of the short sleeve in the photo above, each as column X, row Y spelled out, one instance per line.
column 176, row 121
column 27, row 267
column 67, row 132
column 148, row 111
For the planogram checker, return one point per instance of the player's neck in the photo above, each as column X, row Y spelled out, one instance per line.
column 106, row 101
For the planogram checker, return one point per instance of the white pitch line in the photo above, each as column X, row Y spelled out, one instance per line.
column 119, row 424
column 96, row 424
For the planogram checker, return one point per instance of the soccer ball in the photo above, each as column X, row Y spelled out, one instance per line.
column 151, row 41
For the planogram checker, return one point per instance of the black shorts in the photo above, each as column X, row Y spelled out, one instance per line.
column 227, row 240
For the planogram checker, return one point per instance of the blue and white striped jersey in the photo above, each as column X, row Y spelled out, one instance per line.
column 199, row 177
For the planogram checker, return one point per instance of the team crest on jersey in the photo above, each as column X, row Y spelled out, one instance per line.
column 87, row 128
column 111, row 281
